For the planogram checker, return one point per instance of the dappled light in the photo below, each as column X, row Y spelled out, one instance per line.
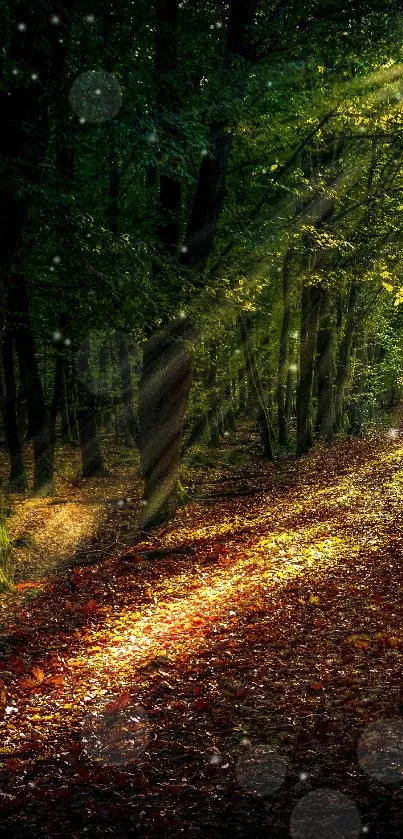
column 201, row 422
column 266, row 597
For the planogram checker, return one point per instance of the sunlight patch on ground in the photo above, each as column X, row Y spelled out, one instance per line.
column 55, row 530
column 245, row 578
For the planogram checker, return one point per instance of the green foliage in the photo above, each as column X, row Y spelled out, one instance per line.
column 6, row 560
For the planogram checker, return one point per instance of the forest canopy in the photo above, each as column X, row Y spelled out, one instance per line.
column 200, row 219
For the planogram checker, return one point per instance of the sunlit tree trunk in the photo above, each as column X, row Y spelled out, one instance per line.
column 161, row 484
column 163, row 398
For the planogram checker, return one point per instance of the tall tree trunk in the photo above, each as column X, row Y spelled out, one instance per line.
column 57, row 394
column 71, row 399
column 91, row 455
column 242, row 395
column 116, row 391
column 344, row 354
column 259, row 401
column 129, row 419
column 104, row 412
column 21, row 412
column 161, row 412
column 66, row 435
column 213, row 412
column 17, row 480
column 201, row 228
column 38, row 420
column 310, row 299
column 325, row 363
column 292, row 376
column 24, row 118
column 163, row 397
column 355, row 408
column 283, row 353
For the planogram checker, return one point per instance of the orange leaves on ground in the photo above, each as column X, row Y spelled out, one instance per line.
column 38, row 674
column 275, row 626
column 116, row 705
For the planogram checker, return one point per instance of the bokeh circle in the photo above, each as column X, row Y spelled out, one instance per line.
column 116, row 732
column 95, row 96
column 327, row 814
column 380, row 750
column 261, row 771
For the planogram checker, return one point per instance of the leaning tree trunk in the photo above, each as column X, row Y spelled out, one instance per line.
column 163, row 397
column 17, row 480
column 309, row 327
column 324, row 365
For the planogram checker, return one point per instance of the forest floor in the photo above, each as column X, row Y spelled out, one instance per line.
column 237, row 674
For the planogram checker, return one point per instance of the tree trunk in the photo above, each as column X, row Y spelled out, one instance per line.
column 242, row 395
column 116, row 391
column 91, row 456
column 162, row 411
column 57, row 395
column 252, row 373
column 283, row 354
column 17, row 480
column 161, row 470
column 66, row 435
column 163, row 397
column 70, row 391
column 129, row 419
column 104, row 414
column 324, row 364
column 38, row 420
column 344, row 354
column 355, row 408
column 21, row 412
column 310, row 299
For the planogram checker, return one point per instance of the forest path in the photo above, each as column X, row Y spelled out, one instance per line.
column 132, row 690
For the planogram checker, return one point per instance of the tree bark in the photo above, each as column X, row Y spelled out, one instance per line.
column 283, row 354
column 161, row 471
column 344, row 354
column 38, row 420
column 57, row 394
column 91, row 455
column 325, row 364
column 252, row 373
column 129, row 419
column 163, row 398
column 310, row 299
column 17, row 481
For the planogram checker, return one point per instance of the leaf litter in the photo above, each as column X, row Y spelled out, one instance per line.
column 134, row 692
